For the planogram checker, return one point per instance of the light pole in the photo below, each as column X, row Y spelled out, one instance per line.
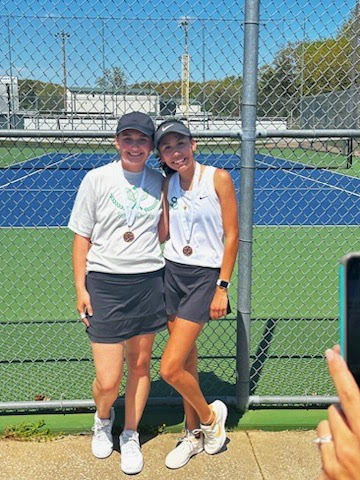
column 103, row 68
column 203, row 73
column 11, row 90
column 64, row 35
column 354, row 96
column 302, row 72
column 355, row 65
column 185, row 68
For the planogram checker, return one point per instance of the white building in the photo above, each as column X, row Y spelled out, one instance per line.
column 9, row 94
column 91, row 108
column 96, row 101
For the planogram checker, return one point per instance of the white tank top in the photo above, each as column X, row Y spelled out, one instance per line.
column 207, row 230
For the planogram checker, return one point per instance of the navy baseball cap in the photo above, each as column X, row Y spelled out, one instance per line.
column 170, row 126
column 136, row 121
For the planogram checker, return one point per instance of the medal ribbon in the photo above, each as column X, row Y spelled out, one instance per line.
column 187, row 214
column 130, row 213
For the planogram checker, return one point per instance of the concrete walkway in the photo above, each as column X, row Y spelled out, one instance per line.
column 248, row 455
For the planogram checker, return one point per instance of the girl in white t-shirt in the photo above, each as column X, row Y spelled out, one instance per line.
column 200, row 255
column 118, row 271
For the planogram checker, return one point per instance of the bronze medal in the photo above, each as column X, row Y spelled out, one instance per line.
column 187, row 250
column 129, row 236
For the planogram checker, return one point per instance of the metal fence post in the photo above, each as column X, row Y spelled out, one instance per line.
column 249, row 98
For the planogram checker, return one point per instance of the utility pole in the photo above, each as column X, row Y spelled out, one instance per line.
column 10, row 91
column 354, row 84
column 63, row 36
column 185, row 68
column 355, row 64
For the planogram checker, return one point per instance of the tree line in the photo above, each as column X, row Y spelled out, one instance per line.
column 298, row 70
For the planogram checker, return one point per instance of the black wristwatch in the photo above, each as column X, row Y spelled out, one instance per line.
column 222, row 284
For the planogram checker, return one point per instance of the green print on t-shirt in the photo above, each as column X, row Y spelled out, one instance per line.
column 147, row 203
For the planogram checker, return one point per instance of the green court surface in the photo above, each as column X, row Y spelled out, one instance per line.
column 312, row 157
column 16, row 151
column 294, row 272
column 44, row 350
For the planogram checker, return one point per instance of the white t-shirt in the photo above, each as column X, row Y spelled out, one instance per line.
column 207, row 230
column 99, row 214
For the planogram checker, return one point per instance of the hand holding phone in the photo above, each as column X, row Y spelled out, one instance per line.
column 340, row 434
column 349, row 302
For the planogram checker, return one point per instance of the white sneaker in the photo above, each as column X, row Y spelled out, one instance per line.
column 102, row 441
column 189, row 446
column 215, row 435
column 131, row 457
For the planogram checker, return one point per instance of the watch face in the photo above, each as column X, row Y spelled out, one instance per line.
column 222, row 284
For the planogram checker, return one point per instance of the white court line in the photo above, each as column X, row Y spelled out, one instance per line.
column 64, row 227
column 37, row 227
column 306, row 165
column 317, row 189
column 295, row 225
column 330, row 187
column 36, row 172
column 42, row 190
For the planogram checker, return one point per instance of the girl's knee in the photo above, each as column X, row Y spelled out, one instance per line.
column 139, row 365
column 169, row 370
column 106, row 386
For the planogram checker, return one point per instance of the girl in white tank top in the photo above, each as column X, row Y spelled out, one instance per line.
column 200, row 254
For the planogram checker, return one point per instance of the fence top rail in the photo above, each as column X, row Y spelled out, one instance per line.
column 260, row 133
column 17, row 133
column 310, row 133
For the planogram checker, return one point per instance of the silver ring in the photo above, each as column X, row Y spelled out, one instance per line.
column 325, row 439
column 82, row 315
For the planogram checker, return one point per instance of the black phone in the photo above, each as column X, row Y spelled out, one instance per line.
column 349, row 302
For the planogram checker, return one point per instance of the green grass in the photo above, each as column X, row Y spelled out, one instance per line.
column 155, row 417
column 29, row 431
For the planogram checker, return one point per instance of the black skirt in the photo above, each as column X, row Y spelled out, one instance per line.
column 125, row 305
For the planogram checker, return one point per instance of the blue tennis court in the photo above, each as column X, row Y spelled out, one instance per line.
column 41, row 191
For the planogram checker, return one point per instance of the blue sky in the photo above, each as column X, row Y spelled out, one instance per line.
column 143, row 37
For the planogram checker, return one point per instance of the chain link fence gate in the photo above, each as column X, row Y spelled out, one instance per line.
column 69, row 70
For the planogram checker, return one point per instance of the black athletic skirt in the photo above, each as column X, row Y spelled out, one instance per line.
column 189, row 290
column 125, row 305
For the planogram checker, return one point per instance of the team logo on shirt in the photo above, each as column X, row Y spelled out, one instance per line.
column 147, row 203
column 173, row 203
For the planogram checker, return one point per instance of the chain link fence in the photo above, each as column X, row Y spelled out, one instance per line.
column 68, row 71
